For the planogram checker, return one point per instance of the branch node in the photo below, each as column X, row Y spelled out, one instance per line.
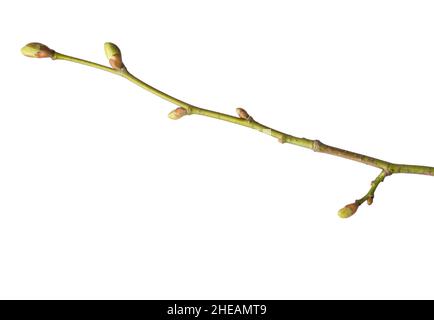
column 316, row 146
column 387, row 172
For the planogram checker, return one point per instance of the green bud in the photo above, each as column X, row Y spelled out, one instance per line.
column 113, row 54
column 37, row 50
column 348, row 210
column 177, row 113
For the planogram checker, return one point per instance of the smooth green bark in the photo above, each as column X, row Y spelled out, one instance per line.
column 315, row 145
column 387, row 168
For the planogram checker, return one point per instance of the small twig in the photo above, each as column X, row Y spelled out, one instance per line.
column 351, row 208
column 113, row 53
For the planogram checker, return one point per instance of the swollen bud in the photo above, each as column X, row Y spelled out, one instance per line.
column 370, row 200
column 243, row 114
column 348, row 210
column 177, row 113
column 113, row 54
column 37, row 50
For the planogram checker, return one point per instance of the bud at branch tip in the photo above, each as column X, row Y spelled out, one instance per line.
column 348, row 210
column 37, row 50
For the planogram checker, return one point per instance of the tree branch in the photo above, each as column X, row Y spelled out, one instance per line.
column 113, row 54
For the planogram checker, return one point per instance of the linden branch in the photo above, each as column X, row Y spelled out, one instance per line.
column 113, row 54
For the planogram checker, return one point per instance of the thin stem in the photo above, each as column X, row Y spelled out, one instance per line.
column 60, row 56
column 315, row 145
column 157, row 92
column 374, row 184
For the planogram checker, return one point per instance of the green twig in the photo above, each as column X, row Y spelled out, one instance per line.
column 244, row 119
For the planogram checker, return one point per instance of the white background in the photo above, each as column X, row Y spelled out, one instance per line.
column 103, row 196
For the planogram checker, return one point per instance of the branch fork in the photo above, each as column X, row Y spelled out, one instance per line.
column 117, row 66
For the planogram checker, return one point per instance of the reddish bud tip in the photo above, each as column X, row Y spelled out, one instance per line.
column 37, row 50
column 177, row 113
column 116, row 62
column 243, row 114
column 113, row 54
